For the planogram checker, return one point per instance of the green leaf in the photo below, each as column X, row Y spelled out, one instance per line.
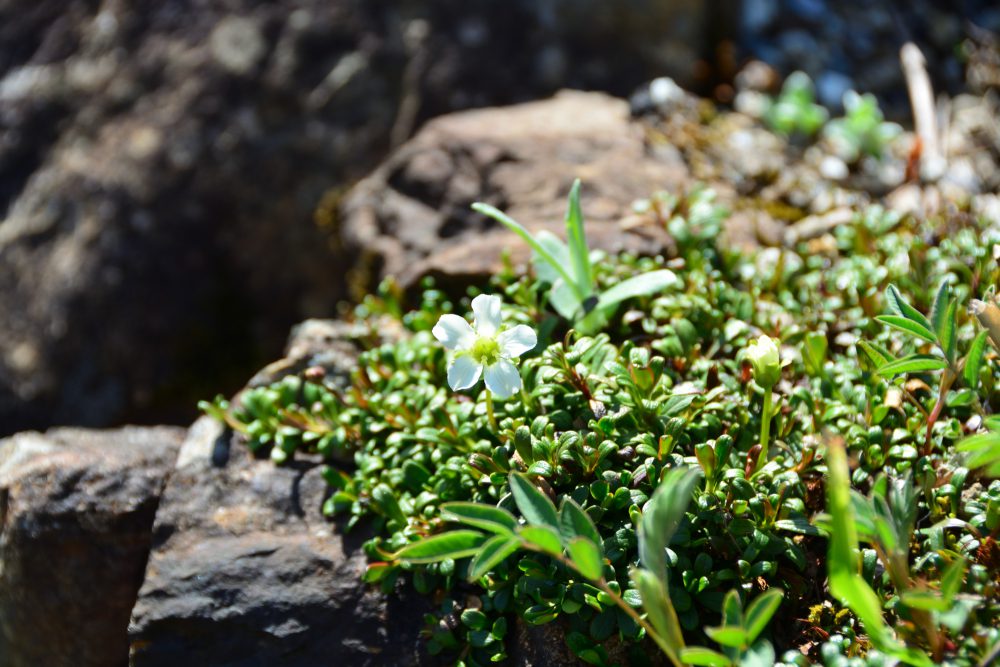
column 386, row 501
column 924, row 600
column 946, row 332
column 899, row 306
column 454, row 544
column 662, row 515
column 984, row 447
column 842, row 559
column 939, row 309
column 879, row 356
column 909, row 326
column 951, row 579
column 574, row 522
column 479, row 515
column 543, row 537
column 586, row 557
column 515, row 227
column 491, row 554
column 699, row 655
column 915, row 363
column 534, row 505
column 732, row 636
column 577, row 242
column 660, row 611
column 799, row 525
column 644, row 284
column 974, row 360
column 759, row 612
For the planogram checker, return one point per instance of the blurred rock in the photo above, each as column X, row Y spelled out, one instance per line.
column 76, row 517
column 411, row 218
column 161, row 164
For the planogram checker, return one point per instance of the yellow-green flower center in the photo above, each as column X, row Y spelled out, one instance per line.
column 486, row 351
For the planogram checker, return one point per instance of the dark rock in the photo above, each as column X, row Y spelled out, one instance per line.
column 245, row 570
column 411, row 218
column 76, row 513
column 174, row 155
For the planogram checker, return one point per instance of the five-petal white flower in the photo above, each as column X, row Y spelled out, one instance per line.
column 483, row 349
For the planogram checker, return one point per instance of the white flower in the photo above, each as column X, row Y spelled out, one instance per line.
column 766, row 362
column 483, row 349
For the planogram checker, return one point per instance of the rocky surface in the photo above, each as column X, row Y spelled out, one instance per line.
column 411, row 218
column 162, row 164
column 245, row 570
column 76, row 517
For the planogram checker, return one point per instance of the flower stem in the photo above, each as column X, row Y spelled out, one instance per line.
column 489, row 412
column 765, row 429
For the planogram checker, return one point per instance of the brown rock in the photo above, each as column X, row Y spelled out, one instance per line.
column 76, row 513
column 412, row 218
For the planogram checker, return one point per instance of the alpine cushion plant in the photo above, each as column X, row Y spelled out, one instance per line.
column 633, row 492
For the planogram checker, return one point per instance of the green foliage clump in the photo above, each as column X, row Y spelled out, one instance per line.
column 647, row 493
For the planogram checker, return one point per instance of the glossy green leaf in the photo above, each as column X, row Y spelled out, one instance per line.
column 915, row 363
column 586, row 557
column 478, row 515
column 577, row 242
column 453, row 544
column 974, row 360
column 660, row 611
column 491, row 554
column 533, row 504
column 662, row 515
column 939, row 309
column 543, row 537
column 574, row 522
column 908, row 326
column 898, row 305
column 644, row 284
column 759, row 612
column 699, row 655
column 733, row 636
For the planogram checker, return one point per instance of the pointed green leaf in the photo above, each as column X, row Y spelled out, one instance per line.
column 574, row 522
column 924, row 600
column 542, row 537
column 478, row 515
column 577, row 242
column 660, row 611
column 586, row 557
column 898, row 305
column 644, row 284
column 491, row 554
column 915, row 363
column 534, row 505
column 878, row 356
column 662, row 515
column 909, row 326
column 939, row 308
column 974, row 360
column 453, row 544
column 951, row 579
column 760, row 611
column 699, row 655
column 732, row 636
column 946, row 332
column 386, row 501
column 516, row 227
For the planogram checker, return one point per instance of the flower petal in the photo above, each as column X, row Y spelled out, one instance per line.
column 515, row 342
column 503, row 379
column 463, row 372
column 487, row 310
column 454, row 332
